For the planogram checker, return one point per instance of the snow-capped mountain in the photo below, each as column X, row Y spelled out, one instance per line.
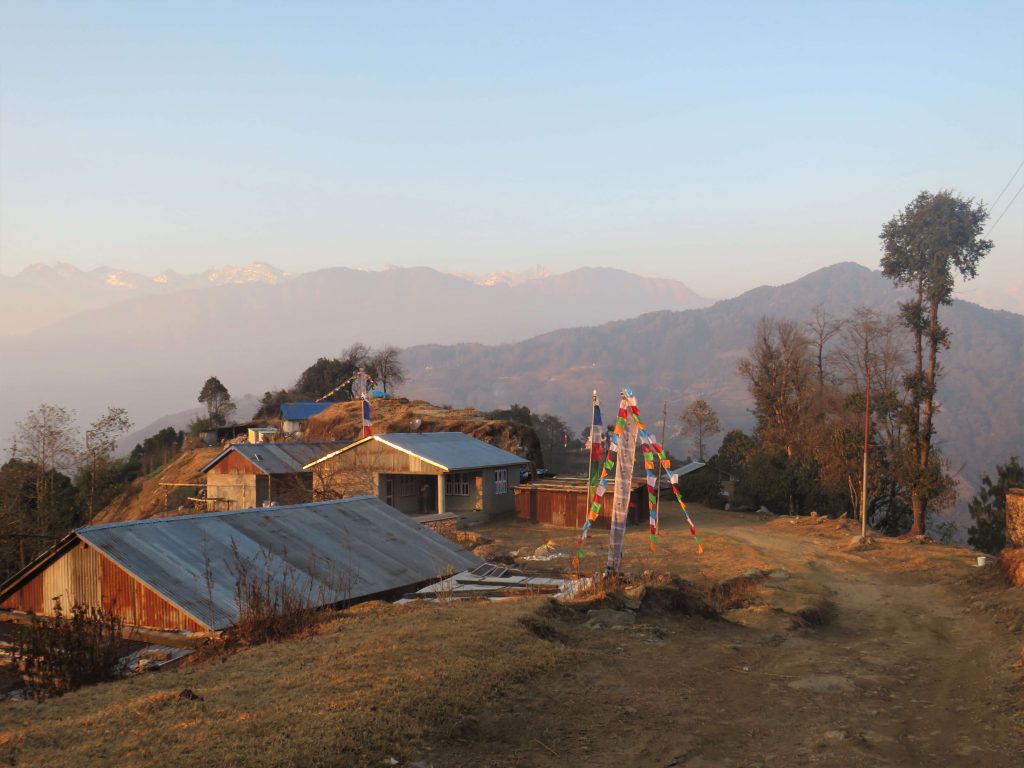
column 41, row 295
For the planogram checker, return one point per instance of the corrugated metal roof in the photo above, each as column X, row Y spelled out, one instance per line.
column 575, row 484
column 280, row 458
column 303, row 411
column 686, row 469
column 330, row 551
column 451, row 451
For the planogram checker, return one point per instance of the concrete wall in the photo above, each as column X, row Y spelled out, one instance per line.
column 499, row 503
column 232, row 490
column 483, row 495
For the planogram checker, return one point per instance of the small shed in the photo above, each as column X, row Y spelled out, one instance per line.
column 262, row 434
column 217, row 435
column 260, row 474
column 565, row 501
column 294, row 416
column 423, row 472
column 183, row 573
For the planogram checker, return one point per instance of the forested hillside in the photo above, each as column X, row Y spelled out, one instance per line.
column 678, row 356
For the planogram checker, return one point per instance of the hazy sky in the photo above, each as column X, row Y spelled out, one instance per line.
column 725, row 146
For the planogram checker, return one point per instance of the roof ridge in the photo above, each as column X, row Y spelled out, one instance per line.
column 206, row 515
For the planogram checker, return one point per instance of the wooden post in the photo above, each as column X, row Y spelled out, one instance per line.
column 440, row 494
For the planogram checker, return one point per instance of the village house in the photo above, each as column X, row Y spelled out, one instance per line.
column 295, row 416
column 259, row 474
column 183, row 573
column 423, row 472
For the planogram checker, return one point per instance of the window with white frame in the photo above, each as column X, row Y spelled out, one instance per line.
column 456, row 484
column 500, row 481
column 407, row 485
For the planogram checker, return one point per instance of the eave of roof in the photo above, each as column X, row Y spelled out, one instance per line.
column 517, row 460
column 379, row 439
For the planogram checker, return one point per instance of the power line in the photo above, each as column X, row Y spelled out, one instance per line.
column 1000, row 195
column 1008, row 206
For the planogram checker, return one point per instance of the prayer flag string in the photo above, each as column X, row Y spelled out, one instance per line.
column 652, row 453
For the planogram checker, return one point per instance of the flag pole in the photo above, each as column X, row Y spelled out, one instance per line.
column 864, row 477
column 590, row 448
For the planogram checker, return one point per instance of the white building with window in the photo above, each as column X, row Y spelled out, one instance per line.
column 423, row 472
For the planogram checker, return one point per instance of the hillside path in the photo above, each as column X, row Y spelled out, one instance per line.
column 912, row 670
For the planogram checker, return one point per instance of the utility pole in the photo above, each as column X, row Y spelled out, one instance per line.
column 864, row 477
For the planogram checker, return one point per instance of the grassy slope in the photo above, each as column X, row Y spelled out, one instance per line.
column 377, row 683
column 145, row 497
column 343, row 421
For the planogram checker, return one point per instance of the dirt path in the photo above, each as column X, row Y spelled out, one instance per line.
column 910, row 672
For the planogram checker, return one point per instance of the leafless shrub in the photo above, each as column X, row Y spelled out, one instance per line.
column 58, row 654
column 276, row 602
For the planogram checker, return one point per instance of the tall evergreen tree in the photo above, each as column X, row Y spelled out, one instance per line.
column 936, row 238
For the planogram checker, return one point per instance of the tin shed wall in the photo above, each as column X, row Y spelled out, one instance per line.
column 567, row 507
column 137, row 604
column 72, row 578
column 84, row 575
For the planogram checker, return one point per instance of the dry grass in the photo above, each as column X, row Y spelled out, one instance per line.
column 676, row 551
column 380, row 682
column 343, row 421
column 145, row 497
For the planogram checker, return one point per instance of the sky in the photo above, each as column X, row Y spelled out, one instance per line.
column 724, row 145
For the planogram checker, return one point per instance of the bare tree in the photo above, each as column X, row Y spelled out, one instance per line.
column 821, row 328
column 100, row 443
column 48, row 438
column 779, row 370
column 699, row 422
column 357, row 355
column 387, row 367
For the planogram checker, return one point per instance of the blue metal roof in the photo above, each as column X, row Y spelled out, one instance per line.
column 451, row 451
column 329, row 551
column 303, row 411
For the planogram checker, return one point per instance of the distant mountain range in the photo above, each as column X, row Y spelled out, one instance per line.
column 151, row 353
column 544, row 341
column 42, row 295
column 678, row 356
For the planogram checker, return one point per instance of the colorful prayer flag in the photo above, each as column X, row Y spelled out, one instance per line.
column 367, row 424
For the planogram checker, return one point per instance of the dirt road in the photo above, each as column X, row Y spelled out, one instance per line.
column 911, row 670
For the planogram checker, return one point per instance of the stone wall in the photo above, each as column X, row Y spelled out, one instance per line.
column 446, row 524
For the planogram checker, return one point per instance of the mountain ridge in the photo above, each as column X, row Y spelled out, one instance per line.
column 678, row 356
column 150, row 353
